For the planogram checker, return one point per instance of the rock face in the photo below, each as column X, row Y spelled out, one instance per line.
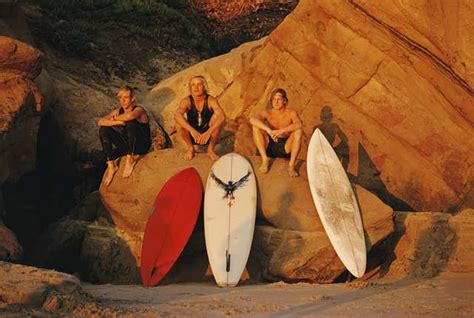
column 431, row 242
column 285, row 251
column 79, row 107
column 107, row 258
column 10, row 249
column 20, row 99
column 60, row 246
column 390, row 79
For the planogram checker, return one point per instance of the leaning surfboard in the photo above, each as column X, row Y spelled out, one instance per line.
column 230, row 204
column 170, row 225
column 336, row 204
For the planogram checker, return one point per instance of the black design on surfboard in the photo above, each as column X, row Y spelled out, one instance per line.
column 230, row 186
column 227, row 261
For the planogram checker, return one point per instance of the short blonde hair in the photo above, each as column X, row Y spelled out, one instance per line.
column 126, row 88
column 203, row 81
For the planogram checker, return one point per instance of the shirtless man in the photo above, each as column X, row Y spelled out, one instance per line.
column 127, row 130
column 199, row 119
column 277, row 132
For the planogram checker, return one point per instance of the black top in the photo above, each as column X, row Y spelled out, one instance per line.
column 144, row 127
column 199, row 120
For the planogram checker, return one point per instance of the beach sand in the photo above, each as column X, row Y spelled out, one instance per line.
column 448, row 295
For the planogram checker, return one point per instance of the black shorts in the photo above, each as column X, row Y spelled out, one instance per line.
column 277, row 149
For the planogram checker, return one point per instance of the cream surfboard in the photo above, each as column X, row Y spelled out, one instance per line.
column 230, row 204
column 336, row 204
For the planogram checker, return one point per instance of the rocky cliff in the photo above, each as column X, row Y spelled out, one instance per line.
column 402, row 96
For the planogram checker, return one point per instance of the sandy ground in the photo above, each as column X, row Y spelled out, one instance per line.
column 448, row 295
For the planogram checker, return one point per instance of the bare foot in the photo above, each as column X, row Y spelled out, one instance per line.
column 211, row 154
column 292, row 172
column 109, row 174
column 129, row 165
column 189, row 154
column 264, row 167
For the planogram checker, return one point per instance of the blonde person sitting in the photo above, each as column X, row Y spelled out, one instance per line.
column 199, row 119
column 124, row 131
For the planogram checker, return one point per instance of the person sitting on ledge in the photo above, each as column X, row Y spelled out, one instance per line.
column 277, row 132
column 199, row 119
column 124, row 131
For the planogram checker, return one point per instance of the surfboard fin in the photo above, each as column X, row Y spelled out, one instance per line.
column 227, row 264
column 245, row 275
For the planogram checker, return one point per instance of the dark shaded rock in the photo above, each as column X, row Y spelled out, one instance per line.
column 60, row 246
column 10, row 249
column 107, row 258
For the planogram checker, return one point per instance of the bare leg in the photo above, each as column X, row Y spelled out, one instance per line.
column 110, row 172
column 129, row 165
column 186, row 139
column 260, row 139
column 213, row 140
column 293, row 144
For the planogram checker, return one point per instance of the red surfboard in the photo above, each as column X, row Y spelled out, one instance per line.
column 170, row 225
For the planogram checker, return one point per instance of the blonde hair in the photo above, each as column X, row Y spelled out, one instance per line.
column 203, row 81
column 126, row 88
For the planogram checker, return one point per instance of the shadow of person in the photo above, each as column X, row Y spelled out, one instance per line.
column 331, row 130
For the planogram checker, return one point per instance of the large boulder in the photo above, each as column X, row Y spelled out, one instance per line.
column 59, row 247
column 10, row 248
column 428, row 243
column 106, row 255
column 283, row 201
column 20, row 64
column 33, row 287
column 31, row 291
column 309, row 256
column 389, row 106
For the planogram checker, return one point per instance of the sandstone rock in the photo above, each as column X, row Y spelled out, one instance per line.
column 30, row 286
column 430, row 23
column 283, row 201
column 106, row 256
column 428, row 243
column 90, row 209
column 19, row 58
column 296, row 256
column 389, row 106
column 79, row 107
column 19, row 97
column 309, row 256
column 60, row 246
column 10, row 249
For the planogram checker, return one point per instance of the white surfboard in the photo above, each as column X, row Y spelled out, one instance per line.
column 336, row 204
column 230, row 204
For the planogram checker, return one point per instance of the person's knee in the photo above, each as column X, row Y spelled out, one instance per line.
column 298, row 133
column 131, row 127
column 131, row 124
column 256, row 130
column 104, row 131
column 181, row 130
